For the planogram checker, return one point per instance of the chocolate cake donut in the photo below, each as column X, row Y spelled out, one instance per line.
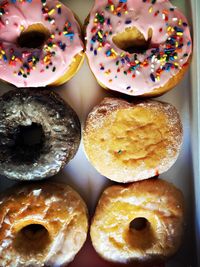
column 39, row 134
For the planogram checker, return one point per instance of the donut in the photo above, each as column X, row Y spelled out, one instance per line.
column 39, row 134
column 41, row 224
column 40, row 43
column 140, row 222
column 128, row 142
column 137, row 47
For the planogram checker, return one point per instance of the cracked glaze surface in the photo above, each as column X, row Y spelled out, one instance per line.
column 156, row 200
column 60, row 124
column 55, row 206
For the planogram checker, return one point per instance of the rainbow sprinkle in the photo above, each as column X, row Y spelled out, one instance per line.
column 119, row 9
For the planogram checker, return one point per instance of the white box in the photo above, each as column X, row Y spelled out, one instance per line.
column 83, row 92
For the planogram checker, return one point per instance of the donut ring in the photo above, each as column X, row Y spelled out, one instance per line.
column 127, row 142
column 43, row 224
column 40, row 43
column 136, row 47
column 141, row 222
column 25, row 114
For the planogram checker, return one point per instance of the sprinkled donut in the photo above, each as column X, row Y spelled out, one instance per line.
column 138, row 47
column 40, row 43
column 43, row 224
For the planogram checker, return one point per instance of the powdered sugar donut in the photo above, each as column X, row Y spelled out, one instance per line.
column 40, row 43
column 132, row 141
column 138, row 47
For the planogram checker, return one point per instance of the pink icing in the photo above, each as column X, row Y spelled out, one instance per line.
column 137, row 74
column 26, row 67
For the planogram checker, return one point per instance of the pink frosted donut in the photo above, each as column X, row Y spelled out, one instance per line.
column 38, row 66
column 150, row 72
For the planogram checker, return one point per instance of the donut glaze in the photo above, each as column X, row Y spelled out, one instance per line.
column 59, row 139
column 25, row 67
column 155, row 200
column 56, row 207
column 138, row 73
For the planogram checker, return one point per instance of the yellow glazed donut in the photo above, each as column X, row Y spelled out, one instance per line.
column 128, row 142
column 141, row 222
column 138, row 47
column 43, row 224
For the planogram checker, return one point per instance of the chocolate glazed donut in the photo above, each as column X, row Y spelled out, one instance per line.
column 39, row 134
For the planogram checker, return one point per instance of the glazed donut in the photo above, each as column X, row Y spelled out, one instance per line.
column 141, row 222
column 128, row 142
column 40, row 43
column 137, row 47
column 39, row 134
column 43, row 224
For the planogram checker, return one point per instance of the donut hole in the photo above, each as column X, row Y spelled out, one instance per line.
column 34, row 231
column 33, row 37
column 133, row 41
column 30, row 135
column 32, row 239
column 28, row 143
column 139, row 224
column 140, row 234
